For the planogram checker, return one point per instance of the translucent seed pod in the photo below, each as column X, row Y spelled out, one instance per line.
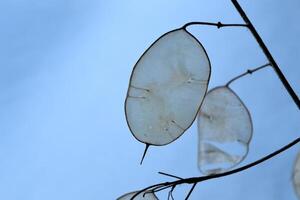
column 166, row 88
column 296, row 176
column 142, row 196
column 224, row 129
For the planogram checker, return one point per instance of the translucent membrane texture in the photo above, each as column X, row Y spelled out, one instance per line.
column 147, row 196
column 296, row 176
column 225, row 130
column 166, row 88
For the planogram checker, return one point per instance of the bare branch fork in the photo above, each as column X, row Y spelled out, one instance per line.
column 271, row 62
column 260, row 42
column 267, row 53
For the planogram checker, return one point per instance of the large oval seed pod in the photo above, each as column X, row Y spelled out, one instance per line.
column 224, row 129
column 296, row 176
column 166, row 88
column 143, row 196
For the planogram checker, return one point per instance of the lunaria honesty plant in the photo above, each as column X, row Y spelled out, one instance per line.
column 224, row 131
column 165, row 93
column 142, row 196
column 296, row 176
column 166, row 88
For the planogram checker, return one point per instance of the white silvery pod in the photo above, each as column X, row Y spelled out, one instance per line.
column 166, row 88
column 142, row 196
column 296, row 176
column 224, row 131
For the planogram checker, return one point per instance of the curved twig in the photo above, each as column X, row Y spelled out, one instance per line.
column 218, row 25
column 194, row 180
column 249, row 71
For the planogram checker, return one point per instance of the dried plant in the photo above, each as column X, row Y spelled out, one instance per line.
column 175, row 70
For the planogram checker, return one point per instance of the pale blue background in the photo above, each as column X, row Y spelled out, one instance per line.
column 64, row 70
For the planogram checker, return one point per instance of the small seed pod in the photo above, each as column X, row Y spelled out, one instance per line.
column 225, row 131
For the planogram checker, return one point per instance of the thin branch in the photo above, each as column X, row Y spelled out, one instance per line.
column 170, row 175
column 160, row 188
column 191, row 190
column 218, row 25
column 156, row 189
column 275, row 153
column 249, row 71
column 170, row 195
column 267, row 53
column 194, row 180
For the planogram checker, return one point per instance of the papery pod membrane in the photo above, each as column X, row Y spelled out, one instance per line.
column 142, row 196
column 224, row 130
column 296, row 176
column 166, row 88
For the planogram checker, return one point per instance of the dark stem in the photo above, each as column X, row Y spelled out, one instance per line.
column 190, row 192
column 194, row 180
column 249, row 71
column 170, row 175
column 218, row 25
column 160, row 188
column 267, row 53
column 170, row 195
column 275, row 153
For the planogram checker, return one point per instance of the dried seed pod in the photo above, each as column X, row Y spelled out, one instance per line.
column 166, row 88
column 142, row 196
column 225, row 131
column 296, row 176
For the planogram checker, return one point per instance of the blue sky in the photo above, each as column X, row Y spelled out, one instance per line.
column 64, row 71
